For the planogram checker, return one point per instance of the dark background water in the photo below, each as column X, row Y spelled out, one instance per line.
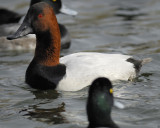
column 109, row 26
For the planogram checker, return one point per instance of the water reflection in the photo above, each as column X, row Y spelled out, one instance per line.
column 128, row 14
column 45, row 109
column 47, row 94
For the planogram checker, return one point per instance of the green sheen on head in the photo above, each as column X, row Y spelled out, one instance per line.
column 99, row 104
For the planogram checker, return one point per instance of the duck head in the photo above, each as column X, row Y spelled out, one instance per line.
column 41, row 21
column 99, row 104
column 58, row 6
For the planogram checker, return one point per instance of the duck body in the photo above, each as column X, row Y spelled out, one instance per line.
column 65, row 37
column 78, row 70
column 72, row 72
column 82, row 68
column 10, row 23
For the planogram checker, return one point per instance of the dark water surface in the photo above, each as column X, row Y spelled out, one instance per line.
column 109, row 26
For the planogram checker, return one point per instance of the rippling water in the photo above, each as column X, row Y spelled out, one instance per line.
column 108, row 26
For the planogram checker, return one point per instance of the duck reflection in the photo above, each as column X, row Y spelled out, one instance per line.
column 129, row 13
column 46, row 94
column 44, row 109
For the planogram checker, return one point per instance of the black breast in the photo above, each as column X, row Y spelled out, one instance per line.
column 43, row 77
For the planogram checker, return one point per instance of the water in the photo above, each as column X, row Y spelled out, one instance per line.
column 107, row 26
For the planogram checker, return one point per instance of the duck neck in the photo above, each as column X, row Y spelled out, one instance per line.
column 47, row 51
column 99, row 108
column 100, row 120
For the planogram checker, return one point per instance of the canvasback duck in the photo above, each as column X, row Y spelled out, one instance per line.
column 10, row 25
column 99, row 104
column 72, row 72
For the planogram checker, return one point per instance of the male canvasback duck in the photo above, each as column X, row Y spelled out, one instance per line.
column 10, row 23
column 72, row 72
column 99, row 104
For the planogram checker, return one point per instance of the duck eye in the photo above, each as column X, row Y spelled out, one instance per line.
column 40, row 16
column 111, row 91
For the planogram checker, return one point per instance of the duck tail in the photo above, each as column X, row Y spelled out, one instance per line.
column 146, row 60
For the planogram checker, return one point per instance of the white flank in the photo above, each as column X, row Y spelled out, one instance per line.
column 83, row 68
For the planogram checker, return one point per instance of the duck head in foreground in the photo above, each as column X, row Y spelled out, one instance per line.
column 99, row 104
column 76, row 70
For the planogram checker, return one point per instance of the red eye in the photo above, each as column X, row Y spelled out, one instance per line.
column 40, row 16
